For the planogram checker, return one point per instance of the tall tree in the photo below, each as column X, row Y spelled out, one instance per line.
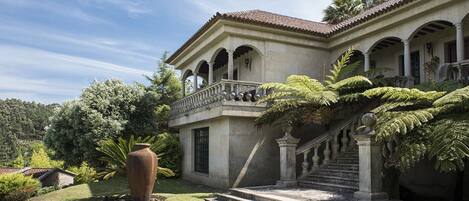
column 341, row 10
column 166, row 84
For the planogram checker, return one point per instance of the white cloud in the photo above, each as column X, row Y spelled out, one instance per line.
column 21, row 57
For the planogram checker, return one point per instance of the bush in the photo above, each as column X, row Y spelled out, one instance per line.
column 84, row 173
column 171, row 156
column 17, row 187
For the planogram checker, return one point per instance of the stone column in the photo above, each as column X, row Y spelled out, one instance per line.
column 230, row 64
column 407, row 64
column 194, row 84
column 367, row 61
column 370, row 162
column 287, row 146
column 183, row 82
column 210, row 73
column 459, row 41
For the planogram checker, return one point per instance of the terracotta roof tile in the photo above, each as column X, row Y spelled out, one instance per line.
column 9, row 170
column 273, row 20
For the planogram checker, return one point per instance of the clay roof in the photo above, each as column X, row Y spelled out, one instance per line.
column 273, row 20
column 9, row 170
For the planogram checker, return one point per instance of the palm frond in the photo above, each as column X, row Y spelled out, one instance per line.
column 458, row 97
column 351, row 83
column 402, row 94
column 392, row 123
column 338, row 67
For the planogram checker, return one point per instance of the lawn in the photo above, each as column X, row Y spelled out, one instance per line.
column 173, row 189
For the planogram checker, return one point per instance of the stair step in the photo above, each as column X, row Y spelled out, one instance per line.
column 328, row 186
column 227, row 197
column 347, row 160
column 338, row 166
column 333, row 180
column 337, row 173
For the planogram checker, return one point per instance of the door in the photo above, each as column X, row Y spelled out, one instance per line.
column 414, row 66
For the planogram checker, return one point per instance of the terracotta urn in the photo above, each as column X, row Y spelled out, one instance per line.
column 141, row 172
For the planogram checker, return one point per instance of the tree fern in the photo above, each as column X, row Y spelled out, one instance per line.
column 403, row 94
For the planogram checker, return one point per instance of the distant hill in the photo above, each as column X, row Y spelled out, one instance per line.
column 20, row 122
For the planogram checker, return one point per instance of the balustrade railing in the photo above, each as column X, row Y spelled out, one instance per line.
column 225, row 90
column 327, row 146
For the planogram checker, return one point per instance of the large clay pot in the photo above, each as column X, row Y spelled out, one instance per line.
column 141, row 172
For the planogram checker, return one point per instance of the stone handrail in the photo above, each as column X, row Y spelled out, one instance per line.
column 224, row 90
column 330, row 142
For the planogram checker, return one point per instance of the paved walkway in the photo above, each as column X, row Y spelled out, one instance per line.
column 296, row 194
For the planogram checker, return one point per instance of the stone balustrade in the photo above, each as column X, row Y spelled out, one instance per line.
column 225, row 90
column 327, row 146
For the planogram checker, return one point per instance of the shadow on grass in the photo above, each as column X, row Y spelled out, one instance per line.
column 171, row 188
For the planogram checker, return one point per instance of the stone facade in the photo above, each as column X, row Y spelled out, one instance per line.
column 228, row 57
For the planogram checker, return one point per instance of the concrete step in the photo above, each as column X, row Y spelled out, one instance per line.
column 250, row 195
column 327, row 186
column 333, row 180
column 228, row 197
column 338, row 166
column 337, row 173
column 347, row 160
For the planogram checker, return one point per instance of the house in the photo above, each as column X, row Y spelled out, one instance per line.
column 47, row 176
column 233, row 53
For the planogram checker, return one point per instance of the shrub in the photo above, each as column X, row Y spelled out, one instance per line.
column 84, row 173
column 17, row 187
column 171, row 152
column 115, row 155
column 46, row 190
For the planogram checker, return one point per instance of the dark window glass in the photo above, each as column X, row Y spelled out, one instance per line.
column 451, row 51
column 201, row 150
column 414, row 65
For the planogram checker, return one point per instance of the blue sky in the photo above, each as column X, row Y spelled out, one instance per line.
column 51, row 50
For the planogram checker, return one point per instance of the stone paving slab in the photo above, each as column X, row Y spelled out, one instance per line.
column 296, row 194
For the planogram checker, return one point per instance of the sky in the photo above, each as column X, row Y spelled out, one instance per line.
column 50, row 50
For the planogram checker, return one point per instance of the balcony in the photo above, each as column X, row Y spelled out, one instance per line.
column 224, row 98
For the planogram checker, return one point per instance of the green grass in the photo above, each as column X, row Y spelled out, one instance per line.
column 173, row 189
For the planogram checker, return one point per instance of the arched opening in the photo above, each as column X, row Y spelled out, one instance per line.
column 386, row 59
column 220, row 65
column 187, row 80
column 202, row 72
column 247, row 63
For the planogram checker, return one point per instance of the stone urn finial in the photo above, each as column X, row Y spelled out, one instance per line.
column 369, row 121
column 141, row 171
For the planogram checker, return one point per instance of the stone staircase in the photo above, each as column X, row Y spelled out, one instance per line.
column 340, row 175
column 336, row 181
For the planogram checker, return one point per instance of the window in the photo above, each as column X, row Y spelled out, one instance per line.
column 451, row 52
column 201, row 150
column 414, row 65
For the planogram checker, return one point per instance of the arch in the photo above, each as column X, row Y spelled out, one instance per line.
column 429, row 28
column 216, row 53
column 258, row 51
column 201, row 65
column 384, row 42
column 187, row 73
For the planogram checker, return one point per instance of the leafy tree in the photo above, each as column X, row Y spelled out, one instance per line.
column 40, row 159
column 166, row 84
column 18, row 162
column 115, row 155
column 302, row 97
column 371, row 3
column 17, row 187
column 108, row 109
column 341, row 10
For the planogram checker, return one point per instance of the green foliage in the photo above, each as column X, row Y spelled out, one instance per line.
column 448, row 86
column 40, row 159
column 18, row 162
column 302, row 98
column 84, row 174
column 21, row 121
column 115, row 154
column 402, row 94
column 108, row 109
column 341, row 10
column 48, row 189
column 17, row 187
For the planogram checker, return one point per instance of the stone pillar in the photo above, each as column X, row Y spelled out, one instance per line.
column 194, row 84
column 367, row 61
column 407, row 64
column 459, row 41
column 230, row 64
column 183, row 84
column 210, row 73
column 370, row 160
column 287, row 146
